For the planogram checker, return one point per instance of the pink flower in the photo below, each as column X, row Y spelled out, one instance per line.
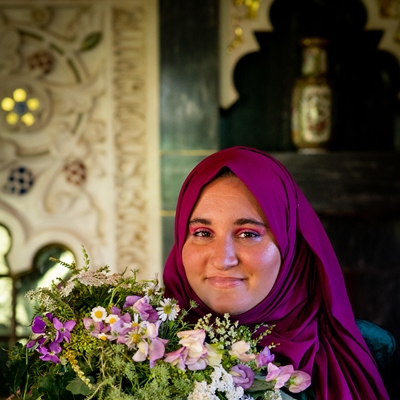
column 94, row 327
column 143, row 351
column 116, row 331
column 194, row 354
column 150, row 330
column 156, row 350
column 264, row 357
column 240, row 349
column 196, row 364
column 299, row 381
column 91, row 325
column 279, row 374
column 242, row 376
column 194, row 342
column 177, row 358
column 150, row 346
column 153, row 350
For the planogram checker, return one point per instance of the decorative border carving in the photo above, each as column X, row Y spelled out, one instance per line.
column 129, row 83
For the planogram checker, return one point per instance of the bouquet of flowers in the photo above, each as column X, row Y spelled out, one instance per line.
column 109, row 336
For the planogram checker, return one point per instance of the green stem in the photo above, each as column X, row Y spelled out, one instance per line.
column 112, row 296
column 27, row 374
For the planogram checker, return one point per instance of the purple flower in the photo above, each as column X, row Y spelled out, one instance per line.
column 63, row 330
column 49, row 316
column 264, row 357
column 49, row 352
column 130, row 301
column 141, row 305
column 38, row 326
column 146, row 311
column 40, row 339
column 116, row 311
column 242, row 376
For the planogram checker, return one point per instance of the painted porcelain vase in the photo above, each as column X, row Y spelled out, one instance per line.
column 312, row 99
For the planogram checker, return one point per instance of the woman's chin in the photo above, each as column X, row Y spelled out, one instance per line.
column 228, row 308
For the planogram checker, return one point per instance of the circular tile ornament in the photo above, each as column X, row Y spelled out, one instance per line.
column 20, row 181
column 75, row 172
column 41, row 60
column 20, row 108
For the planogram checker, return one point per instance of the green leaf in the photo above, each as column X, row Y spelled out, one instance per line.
column 77, row 386
column 91, row 40
column 34, row 395
column 260, row 384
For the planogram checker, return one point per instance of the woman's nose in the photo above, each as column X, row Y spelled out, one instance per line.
column 224, row 254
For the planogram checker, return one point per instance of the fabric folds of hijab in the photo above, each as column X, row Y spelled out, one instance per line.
column 308, row 303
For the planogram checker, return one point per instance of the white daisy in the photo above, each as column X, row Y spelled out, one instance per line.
column 132, row 338
column 102, row 336
column 152, row 287
column 98, row 314
column 168, row 310
column 112, row 319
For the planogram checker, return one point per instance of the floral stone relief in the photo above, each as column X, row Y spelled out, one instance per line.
column 53, row 111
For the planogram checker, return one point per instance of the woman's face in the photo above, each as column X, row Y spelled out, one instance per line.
column 230, row 256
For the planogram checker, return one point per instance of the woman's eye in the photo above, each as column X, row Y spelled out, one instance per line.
column 248, row 234
column 202, row 233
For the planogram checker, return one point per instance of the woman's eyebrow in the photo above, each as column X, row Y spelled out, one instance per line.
column 245, row 221
column 202, row 221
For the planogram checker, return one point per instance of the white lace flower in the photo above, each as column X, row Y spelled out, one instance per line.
column 68, row 288
column 221, row 382
column 201, row 392
column 274, row 395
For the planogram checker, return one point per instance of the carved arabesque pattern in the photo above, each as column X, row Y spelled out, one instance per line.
column 85, row 61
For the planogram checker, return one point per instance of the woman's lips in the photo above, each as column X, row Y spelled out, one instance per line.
column 224, row 282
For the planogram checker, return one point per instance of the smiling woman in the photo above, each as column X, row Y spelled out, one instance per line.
column 230, row 256
column 249, row 244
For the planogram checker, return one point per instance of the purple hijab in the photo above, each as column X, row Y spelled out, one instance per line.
column 308, row 303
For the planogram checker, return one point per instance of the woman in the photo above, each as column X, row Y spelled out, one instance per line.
column 247, row 242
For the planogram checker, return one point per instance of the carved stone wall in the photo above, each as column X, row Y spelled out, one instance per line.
column 79, row 130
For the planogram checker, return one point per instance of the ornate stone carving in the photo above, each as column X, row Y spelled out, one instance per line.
column 130, row 134
column 86, row 64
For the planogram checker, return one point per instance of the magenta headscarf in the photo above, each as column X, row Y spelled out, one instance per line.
column 308, row 303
